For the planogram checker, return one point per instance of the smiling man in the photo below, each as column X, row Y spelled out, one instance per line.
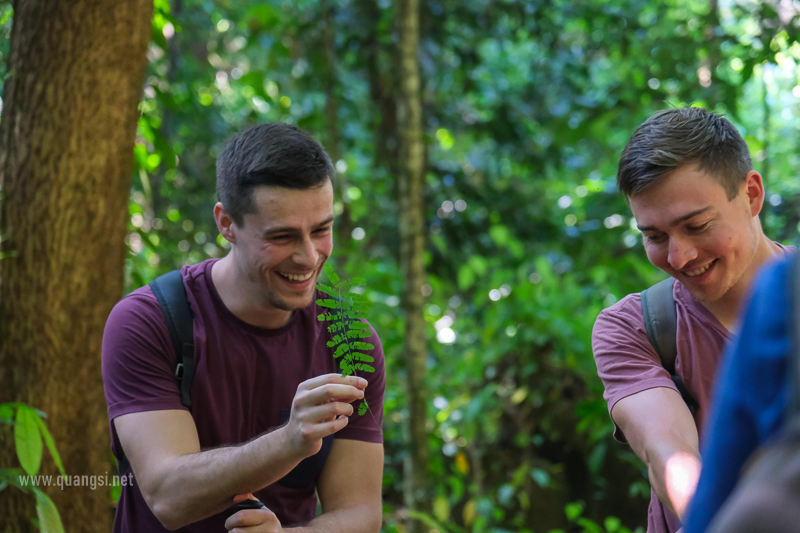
column 688, row 178
column 270, row 418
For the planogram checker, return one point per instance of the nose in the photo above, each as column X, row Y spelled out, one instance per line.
column 681, row 251
column 306, row 253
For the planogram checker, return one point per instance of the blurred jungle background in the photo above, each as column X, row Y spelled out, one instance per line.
column 525, row 106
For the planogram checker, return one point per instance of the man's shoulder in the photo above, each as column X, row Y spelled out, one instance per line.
column 626, row 312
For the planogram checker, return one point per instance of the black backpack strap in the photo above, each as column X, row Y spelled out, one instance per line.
column 171, row 296
column 661, row 323
column 793, row 323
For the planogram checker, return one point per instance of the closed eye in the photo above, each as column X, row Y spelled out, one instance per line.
column 697, row 229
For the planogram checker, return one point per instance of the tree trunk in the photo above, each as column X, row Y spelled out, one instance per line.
column 411, row 171
column 66, row 138
column 344, row 225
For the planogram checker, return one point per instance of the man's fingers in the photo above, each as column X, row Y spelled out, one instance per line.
column 325, row 393
column 239, row 498
column 326, row 379
column 251, row 517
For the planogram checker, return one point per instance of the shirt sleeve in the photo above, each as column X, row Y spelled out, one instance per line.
column 626, row 361
column 750, row 396
column 368, row 427
column 138, row 358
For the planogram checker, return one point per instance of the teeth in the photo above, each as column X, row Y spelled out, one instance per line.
column 296, row 277
column 697, row 272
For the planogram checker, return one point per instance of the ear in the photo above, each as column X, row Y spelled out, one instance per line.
column 225, row 223
column 753, row 189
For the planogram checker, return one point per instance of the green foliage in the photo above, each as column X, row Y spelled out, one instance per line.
column 527, row 106
column 29, row 432
column 350, row 308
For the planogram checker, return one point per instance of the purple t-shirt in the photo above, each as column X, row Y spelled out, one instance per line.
column 628, row 364
column 244, row 383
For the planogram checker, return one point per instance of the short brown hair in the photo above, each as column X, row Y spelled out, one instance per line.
column 677, row 137
column 273, row 154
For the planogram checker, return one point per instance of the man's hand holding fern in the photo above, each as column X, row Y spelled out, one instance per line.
column 320, row 408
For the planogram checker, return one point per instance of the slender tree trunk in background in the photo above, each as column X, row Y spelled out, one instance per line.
column 344, row 225
column 66, row 138
column 411, row 172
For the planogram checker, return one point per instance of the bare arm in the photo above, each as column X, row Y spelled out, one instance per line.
column 182, row 484
column 662, row 432
column 349, row 489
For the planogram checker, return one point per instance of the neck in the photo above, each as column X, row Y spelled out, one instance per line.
column 241, row 298
column 726, row 309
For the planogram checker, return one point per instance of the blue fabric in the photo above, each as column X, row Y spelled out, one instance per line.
column 751, row 395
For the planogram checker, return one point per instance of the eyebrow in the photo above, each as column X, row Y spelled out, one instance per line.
column 292, row 229
column 678, row 220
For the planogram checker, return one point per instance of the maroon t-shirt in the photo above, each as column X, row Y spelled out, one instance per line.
column 244, row 383
column 627, row 363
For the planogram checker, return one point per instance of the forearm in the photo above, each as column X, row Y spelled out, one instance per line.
column 674, row 469
column 366, row 518
column 195, row 486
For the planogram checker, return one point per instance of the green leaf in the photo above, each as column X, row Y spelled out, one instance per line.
column 331, row 274
column 364, row 368
column 6, row 16
column 541, row 477
column 573, row 510
column 358, row 356
column 49, row 519
column 340, row 351
column 358, row 345
column 359, row 334
column 612, row 524
column 6, row 413
column 28, row 440
column 330, row 291
column 329, row 303
column 51, row 445
column 358, row 324
column 362, row 408
column 589, row 526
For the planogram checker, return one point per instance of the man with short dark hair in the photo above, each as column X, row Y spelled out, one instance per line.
column 689, row 181
column 266, row 397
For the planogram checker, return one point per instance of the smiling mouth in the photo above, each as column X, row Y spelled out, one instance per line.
column 702, row 270
column 296, row 277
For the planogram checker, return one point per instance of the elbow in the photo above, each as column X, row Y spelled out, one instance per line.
column 167, row 515
column 166, row 510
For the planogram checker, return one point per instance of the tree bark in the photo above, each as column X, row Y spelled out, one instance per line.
column 66, row 138
column 411, row 172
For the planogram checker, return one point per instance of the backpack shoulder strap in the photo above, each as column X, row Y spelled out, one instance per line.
column 171, row 296
column 661, row 323
column 793, row 323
